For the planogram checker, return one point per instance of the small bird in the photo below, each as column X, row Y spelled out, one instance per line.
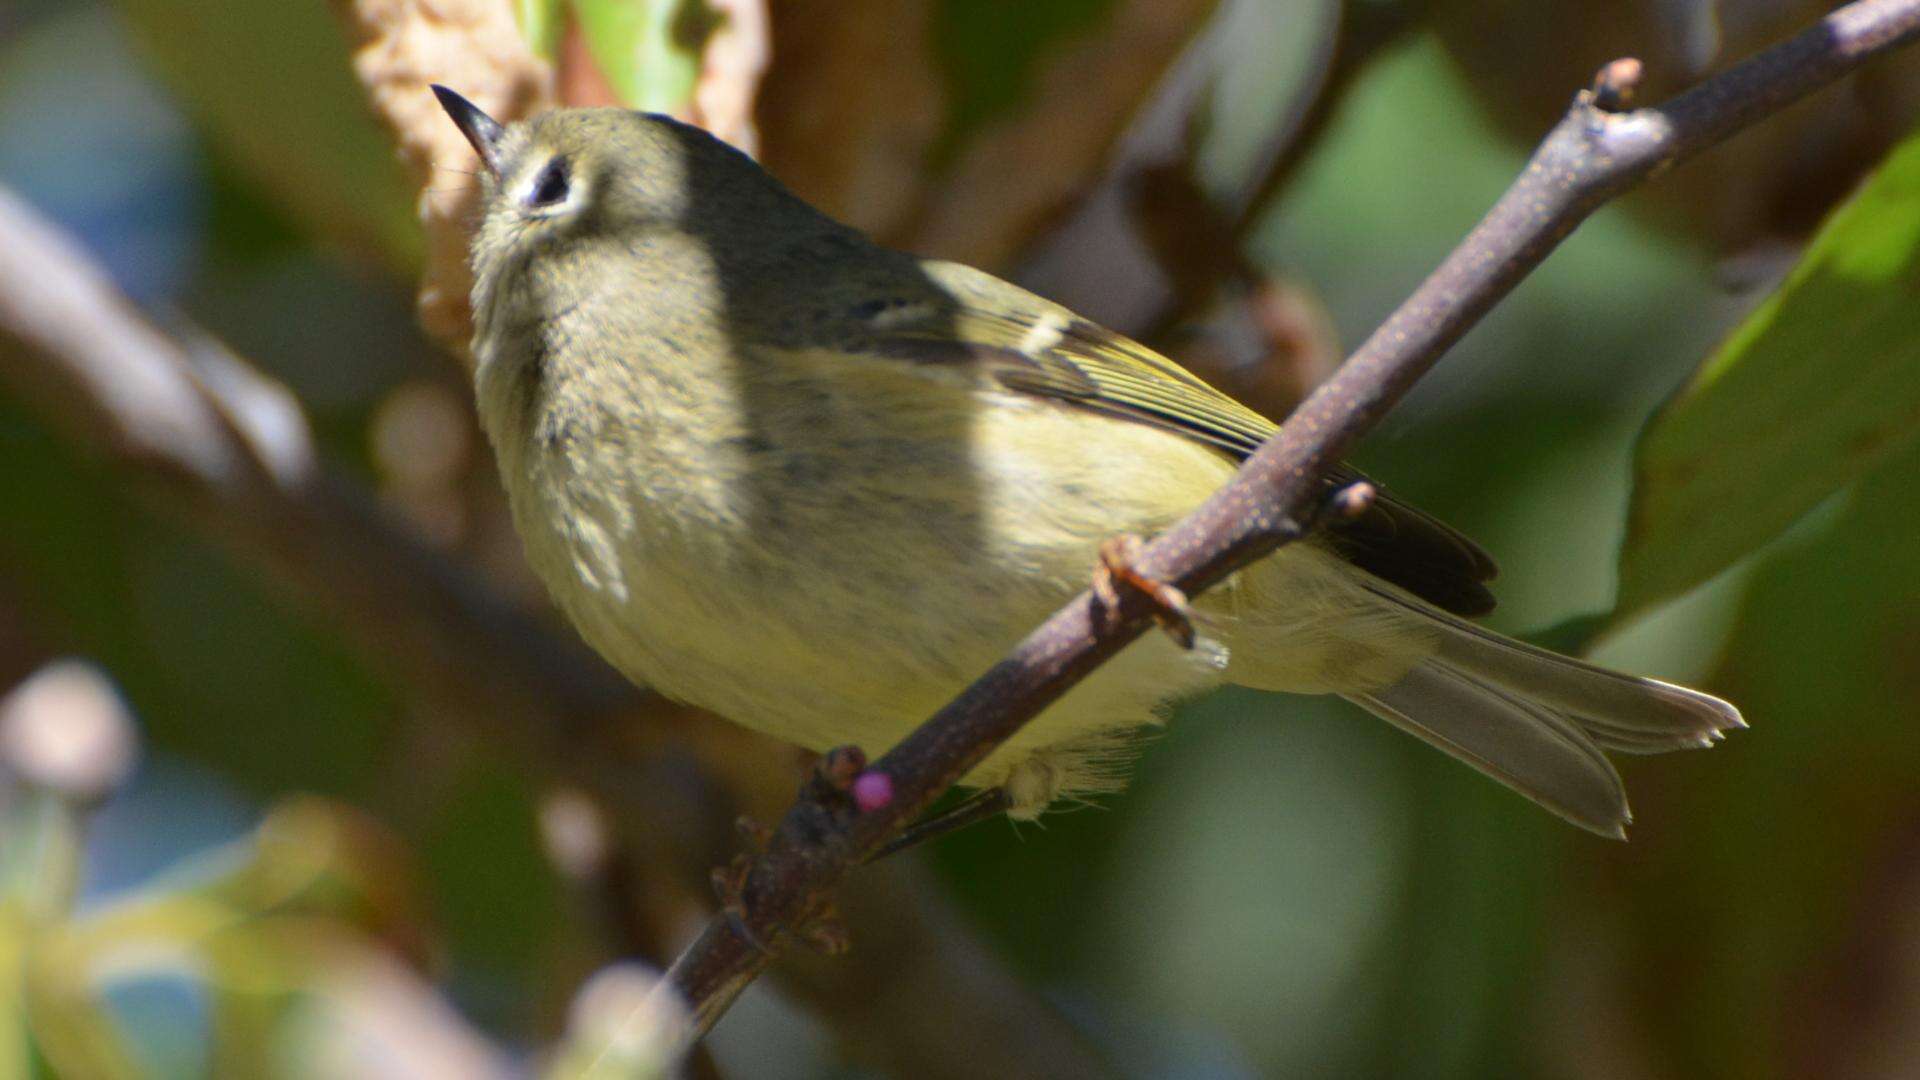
column 816, row 486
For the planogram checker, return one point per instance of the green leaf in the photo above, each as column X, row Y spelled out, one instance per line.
column 539, row 24
column 649, row 50
column 1819, row 385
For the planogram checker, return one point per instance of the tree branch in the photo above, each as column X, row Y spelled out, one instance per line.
column 210, row 437
column 1596, row 152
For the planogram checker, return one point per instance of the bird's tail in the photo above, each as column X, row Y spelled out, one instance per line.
column 1538, row 721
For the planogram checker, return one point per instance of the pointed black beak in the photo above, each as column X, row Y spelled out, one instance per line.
column 481, row 130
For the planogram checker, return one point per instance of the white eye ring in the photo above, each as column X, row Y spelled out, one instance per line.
column 550, row 189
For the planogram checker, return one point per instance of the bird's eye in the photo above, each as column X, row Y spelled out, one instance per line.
column 551, row 186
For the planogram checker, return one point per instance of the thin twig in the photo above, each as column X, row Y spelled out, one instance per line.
column 1591, row 156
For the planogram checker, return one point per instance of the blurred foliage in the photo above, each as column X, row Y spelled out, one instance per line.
column 1826, row 646
column 244, row 945
column 541, row 21
column 1290, row 889
column 990, row 49
column 271, row 85
column 1757, row 931
column 649, row 50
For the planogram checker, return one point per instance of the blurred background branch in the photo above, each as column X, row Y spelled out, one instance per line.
column 223, row 449
column 215, row 442
column 1152, row 247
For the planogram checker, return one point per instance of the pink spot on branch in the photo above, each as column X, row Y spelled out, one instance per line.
column 872, row 791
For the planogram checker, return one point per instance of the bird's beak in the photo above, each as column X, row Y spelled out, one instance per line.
column 481, row 130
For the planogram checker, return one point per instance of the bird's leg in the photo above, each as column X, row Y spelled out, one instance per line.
column 1170, row 608
column 979, row 806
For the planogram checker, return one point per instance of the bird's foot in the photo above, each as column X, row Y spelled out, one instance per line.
column 825, row 932
column 1116, row 569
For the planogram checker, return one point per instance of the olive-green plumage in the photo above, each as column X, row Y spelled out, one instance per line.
column 816, row 486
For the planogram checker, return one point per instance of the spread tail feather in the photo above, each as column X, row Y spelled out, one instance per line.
column 1534, row 751
column 1537, row 721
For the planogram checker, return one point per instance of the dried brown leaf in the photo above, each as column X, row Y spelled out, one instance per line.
column 735, row 58
column 399, row 48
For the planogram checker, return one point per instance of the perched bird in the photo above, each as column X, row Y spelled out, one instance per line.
column 814, row 485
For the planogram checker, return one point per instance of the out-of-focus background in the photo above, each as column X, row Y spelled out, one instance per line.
column 263, row 830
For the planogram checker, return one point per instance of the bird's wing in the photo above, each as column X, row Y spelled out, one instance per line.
column 1049, row 352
